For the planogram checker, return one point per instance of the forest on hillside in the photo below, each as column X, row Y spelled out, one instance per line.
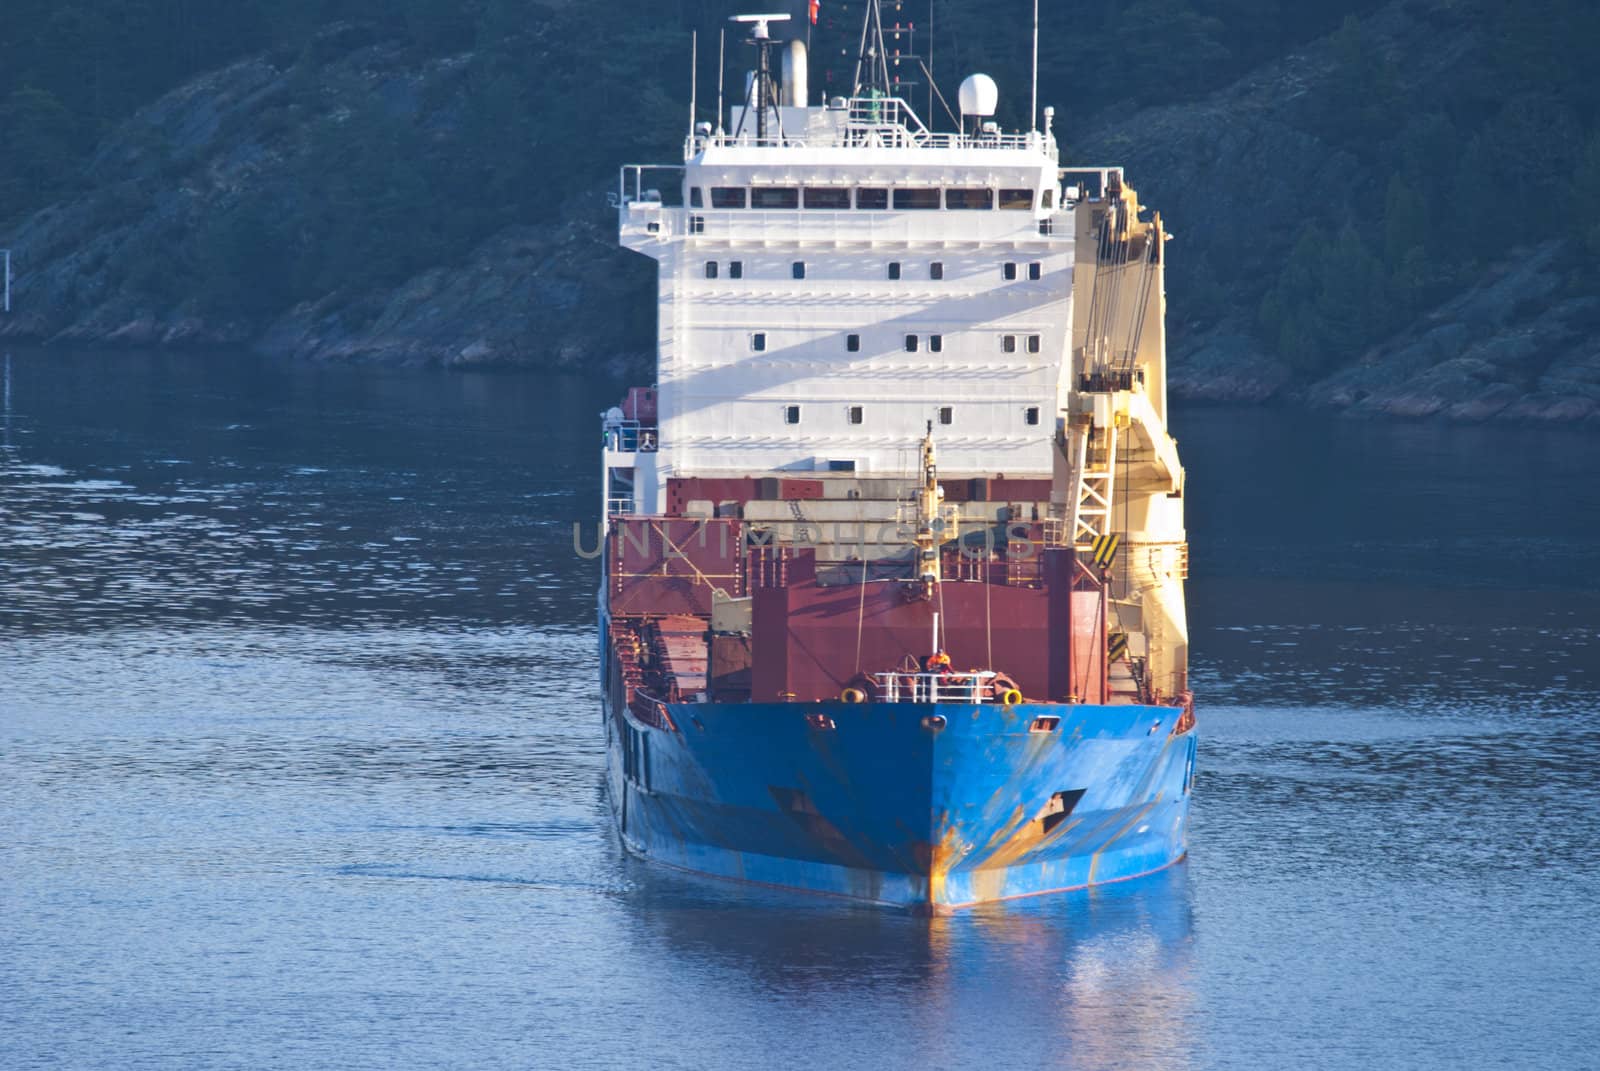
column 548, row 99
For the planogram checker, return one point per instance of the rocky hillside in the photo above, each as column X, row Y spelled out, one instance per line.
column 180, row 240
column 1332, row 246
column 1506, row 321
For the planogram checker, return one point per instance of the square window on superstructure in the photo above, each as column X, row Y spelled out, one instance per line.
column 936, row 270
column 1008, row 343
column 915, row 200
column 758, row 341
column 775, row 197
column 1036, row 270
column 1017, row 200
column 826, row 197
column 791, row 414
column 911, row 343
column 798, row 269
column 946, row 415
column 696, row 197
column 852, row 343
column 1034, row 343
column 697, row 224
column 727, row 196
column 894, row 269
column 736, row 269
column 1031, row 414
column 935, row 343
column 1048, row 199
column 872, row 198
column 855, row 414
column 711, row 269
column 1009, row 271
column 1046, row 227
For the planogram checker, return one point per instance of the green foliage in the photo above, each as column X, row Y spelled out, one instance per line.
column 40, row 146
column 1328, row 304
column 1586, row 196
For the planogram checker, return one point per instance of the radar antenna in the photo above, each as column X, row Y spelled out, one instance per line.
column 763, row 95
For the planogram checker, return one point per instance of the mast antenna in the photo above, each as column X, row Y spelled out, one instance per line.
column 722, row 68
column 694, row 80
column 873, row 54
column 1033, row 116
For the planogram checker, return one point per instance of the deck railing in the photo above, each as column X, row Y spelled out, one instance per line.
column 631, row 437
column 973, row 687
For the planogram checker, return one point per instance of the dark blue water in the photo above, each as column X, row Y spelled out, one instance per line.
column 300, row 761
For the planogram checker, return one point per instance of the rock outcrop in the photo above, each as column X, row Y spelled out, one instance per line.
column 119, row 265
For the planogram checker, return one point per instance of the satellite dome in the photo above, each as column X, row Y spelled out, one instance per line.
column 979, row 95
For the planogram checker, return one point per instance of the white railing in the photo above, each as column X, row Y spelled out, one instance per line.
column 1092, row 181
column 631, row 188
column 631, row 437
column 975, row 687
column 872, row 122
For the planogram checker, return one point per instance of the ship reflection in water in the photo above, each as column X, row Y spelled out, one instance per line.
column 1081, row 979
column 299, row 762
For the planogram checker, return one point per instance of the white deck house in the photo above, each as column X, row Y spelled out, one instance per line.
column 827, row 290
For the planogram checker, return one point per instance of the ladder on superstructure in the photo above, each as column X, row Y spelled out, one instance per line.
column 1096, row 456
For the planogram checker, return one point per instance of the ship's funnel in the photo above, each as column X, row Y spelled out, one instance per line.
column 796, row 88
column 979, row 96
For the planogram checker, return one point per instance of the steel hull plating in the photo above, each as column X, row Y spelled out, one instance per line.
column 882, row 803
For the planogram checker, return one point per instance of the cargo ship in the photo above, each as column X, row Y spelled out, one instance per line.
column 893, row 552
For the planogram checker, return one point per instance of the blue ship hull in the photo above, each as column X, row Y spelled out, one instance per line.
column 887, row 804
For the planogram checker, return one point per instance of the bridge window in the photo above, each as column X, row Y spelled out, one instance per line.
column 1020, row 200
column 946, row 415
column 758, row 341
column 905, row 200
column 1035, row 270
column 727, row 197
column 775, row 197
column 852, row 343
column 936, row 343
column 936, row 270
column 969, row 199
column 696, row 197
column 736, row 269
column 855, row 414
column 1049, row 199
column 798, row 269
column 1033, row 343
column 711, row 269
column 824, row 197
column 911, row 343
column 872, row 198
column 894, row 269
column 1008, row 343
column 791, row 414
column 1031, row 414
column 1009, row 271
